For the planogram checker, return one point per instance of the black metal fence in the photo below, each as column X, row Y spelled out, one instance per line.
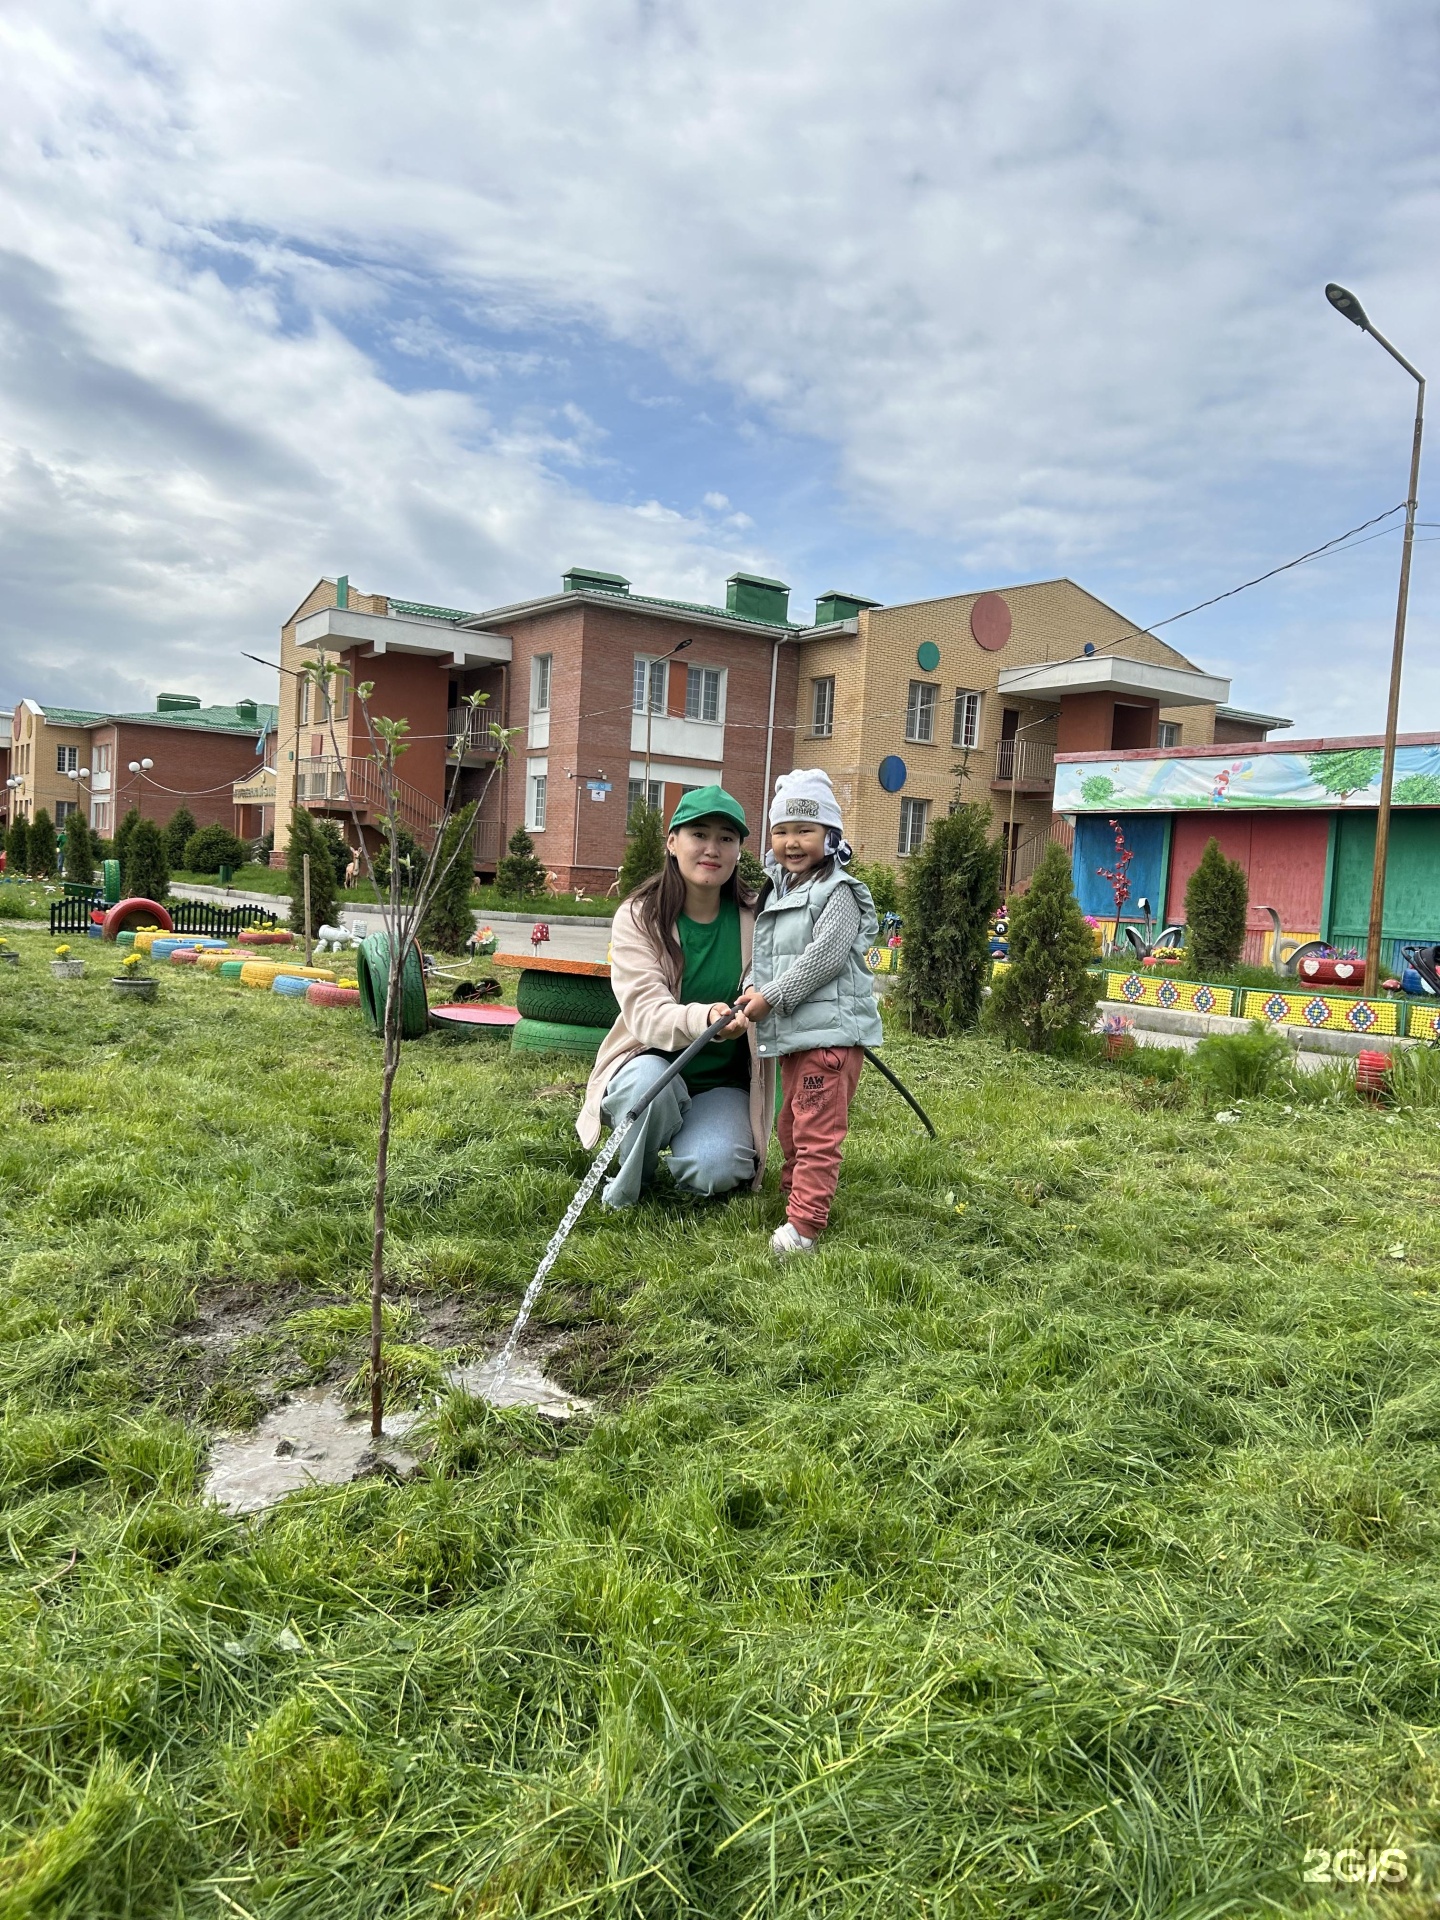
column 187, row 916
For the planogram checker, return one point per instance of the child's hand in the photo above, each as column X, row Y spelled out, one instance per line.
column 737, row 1025
column 753, row 1004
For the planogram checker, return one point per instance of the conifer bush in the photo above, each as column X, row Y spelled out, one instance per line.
column 179, row 830
column 305, row 837
column 42, row 846
column 951, row 891
column 1047, row 994
column 520, row 876
column 883, row 883
column 448, row 921
column 122, row 835
column 751, row 871
column 146, row 870
column 211, row 848
column 1217, row 899
column 17, row 846
column 408, row 858
column 79, row 851
column 644, row 847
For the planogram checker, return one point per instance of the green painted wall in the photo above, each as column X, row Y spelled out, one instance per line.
column 1412, row 876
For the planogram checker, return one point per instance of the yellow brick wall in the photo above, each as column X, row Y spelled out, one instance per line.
column 32, row 761
column 1052, row 620
column 288, row 747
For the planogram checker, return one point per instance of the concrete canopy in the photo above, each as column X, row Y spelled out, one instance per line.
column 1113, row 673
column 337, row 629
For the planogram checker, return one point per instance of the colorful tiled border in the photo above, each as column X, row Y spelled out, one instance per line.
column 883, row 959
column 1159, row 990
column 1424, row 1022
column 1323, row 1010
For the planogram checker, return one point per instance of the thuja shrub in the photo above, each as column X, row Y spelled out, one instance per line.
column 644, row 847
column 211, row 848
column 179, row 830
column 952, row 889
column 305, row 838
column 520, row 876
column 17, row 846
column 147, row 872
column 448, row 921
column 79, row 851
column 1217, row 898
column 42, row 846
column 1047, row 994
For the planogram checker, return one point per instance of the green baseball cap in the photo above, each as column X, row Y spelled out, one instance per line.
column 705, row 803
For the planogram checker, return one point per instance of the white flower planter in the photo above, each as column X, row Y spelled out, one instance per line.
column 138, row 988
column 67, row 969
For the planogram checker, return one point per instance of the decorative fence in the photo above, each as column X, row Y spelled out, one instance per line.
column 187, row 916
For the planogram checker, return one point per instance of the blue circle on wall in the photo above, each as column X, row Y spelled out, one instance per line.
column 927, row 656
column 893, row 773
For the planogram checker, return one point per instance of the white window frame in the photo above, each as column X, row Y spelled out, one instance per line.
column 822, row 707
column 634, row 789
column 537, row 799
column 100, row 817
column 64, row 809
column 965, row 731
column 699, row 683
column 66, row 759
column 657, row 672
column 542, row 670
column 100, row 760
column 1172, row 727
column 920, row 712
column 910, row 841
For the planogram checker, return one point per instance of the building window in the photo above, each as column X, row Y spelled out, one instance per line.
column 655, row 672
column 302, row 706
column 966, row 732
column 914, row 817
column 634, row 791
column 66, row 759
column 920, row 711
column 100, row 817
column 535, row 788
column 702, row 693
column 822, row 707
column 100, row 760
column 540, row 683
column 63, row 811
column 1168, row 734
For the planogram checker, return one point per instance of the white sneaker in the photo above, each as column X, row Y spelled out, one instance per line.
column 787, row 1240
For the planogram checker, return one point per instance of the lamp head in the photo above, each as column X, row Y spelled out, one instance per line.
column 1345, row 302
column 134, row 766
column 147, row 764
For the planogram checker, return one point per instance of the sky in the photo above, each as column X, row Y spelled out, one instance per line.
column 905, row 299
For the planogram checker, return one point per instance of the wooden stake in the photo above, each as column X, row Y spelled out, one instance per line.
column 305, row 869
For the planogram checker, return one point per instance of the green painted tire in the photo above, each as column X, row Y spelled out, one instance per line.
column 110, row 873
column 230, row 969
column 548, row 1036
column 567, row 999
column 372, row 970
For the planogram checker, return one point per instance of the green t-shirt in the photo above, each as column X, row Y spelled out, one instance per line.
column 712, row 972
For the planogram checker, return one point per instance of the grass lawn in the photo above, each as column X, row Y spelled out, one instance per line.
column 1061, row 1541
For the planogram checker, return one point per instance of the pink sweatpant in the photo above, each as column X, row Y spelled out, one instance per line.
column 814, row 1118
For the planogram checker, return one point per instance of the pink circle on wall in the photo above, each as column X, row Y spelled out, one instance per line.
column 990, row 622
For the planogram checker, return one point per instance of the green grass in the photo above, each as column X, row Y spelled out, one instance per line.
column 1061, row 1541
column 482, row 899
column 28, row 899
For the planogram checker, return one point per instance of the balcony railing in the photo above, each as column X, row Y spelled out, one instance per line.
column 469, row 728
column 337, row 782
column 1024, row 763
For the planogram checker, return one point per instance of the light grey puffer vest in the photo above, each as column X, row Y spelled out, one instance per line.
column 843, row 1014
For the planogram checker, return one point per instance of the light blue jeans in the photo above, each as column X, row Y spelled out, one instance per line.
column 712, row 1147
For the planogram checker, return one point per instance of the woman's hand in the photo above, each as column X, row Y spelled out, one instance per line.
column 737, row 1026
column 754, row 1005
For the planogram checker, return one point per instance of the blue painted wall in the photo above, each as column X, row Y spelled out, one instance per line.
column 1145, row 835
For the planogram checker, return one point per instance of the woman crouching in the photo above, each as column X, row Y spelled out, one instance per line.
column 680, row 947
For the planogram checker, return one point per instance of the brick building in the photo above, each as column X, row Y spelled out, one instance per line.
column 602, row 689
column 891, row 699
column 6, row 791
column 197, row 753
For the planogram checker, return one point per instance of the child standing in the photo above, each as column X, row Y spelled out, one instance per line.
column 812, row 1001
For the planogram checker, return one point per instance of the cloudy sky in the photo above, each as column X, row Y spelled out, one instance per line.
column 904, row 298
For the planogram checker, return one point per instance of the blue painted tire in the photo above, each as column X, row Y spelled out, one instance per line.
column 291, row 984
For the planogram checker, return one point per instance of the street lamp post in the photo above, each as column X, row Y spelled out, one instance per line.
column 142, row 767
column 1345, row 302
column 650, row 666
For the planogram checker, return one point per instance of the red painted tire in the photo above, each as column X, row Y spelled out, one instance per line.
column 183, row 957
column 128, row 914
column 260, row 937
column 321, row 994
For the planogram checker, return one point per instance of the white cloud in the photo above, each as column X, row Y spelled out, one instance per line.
column 1041, row 285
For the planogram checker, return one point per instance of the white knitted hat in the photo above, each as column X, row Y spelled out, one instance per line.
column 806, row 794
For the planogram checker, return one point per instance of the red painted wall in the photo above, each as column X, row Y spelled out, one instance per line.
column 193, row 768
column 411, row 687
column 1283, row 855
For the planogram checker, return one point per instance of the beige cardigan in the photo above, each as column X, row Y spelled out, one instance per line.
column 653, row 1020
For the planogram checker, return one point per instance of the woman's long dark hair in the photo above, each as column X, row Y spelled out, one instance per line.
column 660, row 900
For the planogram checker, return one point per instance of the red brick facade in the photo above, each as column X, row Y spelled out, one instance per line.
column 195, row 768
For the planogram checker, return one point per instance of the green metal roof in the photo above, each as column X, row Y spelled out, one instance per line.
column 718, row 613
column 211, row 719
column 71, row 717
column 429, row 613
